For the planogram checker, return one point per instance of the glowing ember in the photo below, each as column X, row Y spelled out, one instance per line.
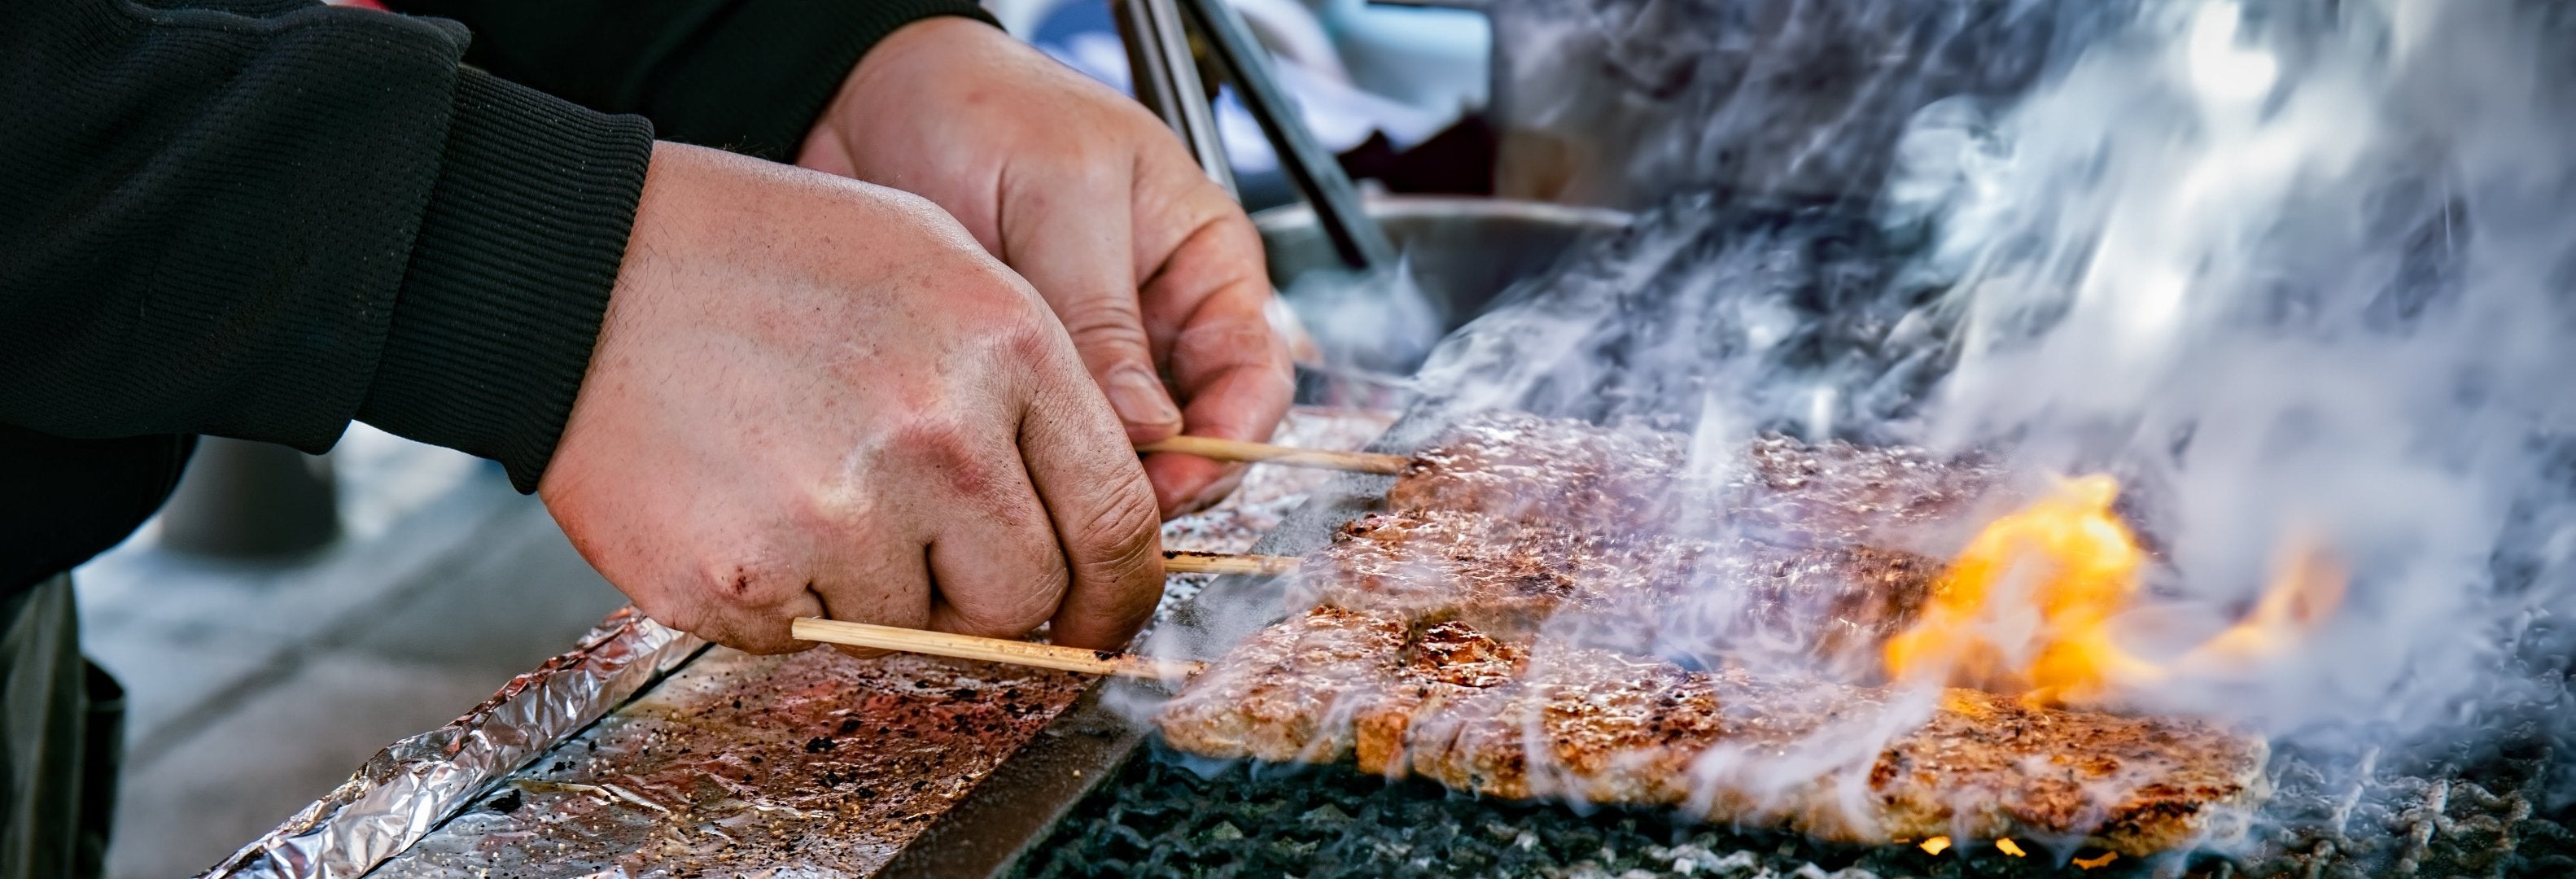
column 2011, row 848
column 2090, row 863
column 1936, row 845
column 2027, row 607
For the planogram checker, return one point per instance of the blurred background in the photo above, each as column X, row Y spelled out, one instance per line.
column 288, row 615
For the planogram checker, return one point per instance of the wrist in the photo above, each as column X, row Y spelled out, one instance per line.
column 509, row 276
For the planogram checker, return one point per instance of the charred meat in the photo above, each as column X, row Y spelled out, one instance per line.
column 1577, row 475
column 1838, row 493
column 1518, row 466
column 1862, row 764
column 1740, row 599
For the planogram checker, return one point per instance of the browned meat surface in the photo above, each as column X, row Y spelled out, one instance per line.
column 1839, row 493
column 1516, row 465
column 1738, row 598
column 1828, row 610
column 1581, row 476
column 1288, row 692
column 1499, row 576
column 1859, row 764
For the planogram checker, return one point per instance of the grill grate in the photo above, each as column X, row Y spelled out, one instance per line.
column 1158, row 817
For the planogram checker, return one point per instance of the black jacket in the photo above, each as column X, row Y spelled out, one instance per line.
column 266, row 218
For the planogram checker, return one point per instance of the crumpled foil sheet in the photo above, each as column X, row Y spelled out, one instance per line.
column 407, row 788
column 816, row 763
column 813, row 763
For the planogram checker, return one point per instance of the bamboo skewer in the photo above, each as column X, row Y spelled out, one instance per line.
column 1185, row 562
column 1099, row 662
column 1243, row 450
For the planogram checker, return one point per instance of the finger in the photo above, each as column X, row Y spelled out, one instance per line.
column 1244, row 402
column 996, row 570
column 1102, row 511
column 1185, row 484
column 1071, row 242
column 746, row 605
column 1226, row 358
column 879, row 578
column 751, row 630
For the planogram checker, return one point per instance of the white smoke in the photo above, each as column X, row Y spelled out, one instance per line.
column 2298, row 266
column 2291, row 268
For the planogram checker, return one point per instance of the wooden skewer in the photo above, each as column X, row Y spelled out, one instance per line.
column 1185, row 562
column 1242, row 450
column 1099, row 662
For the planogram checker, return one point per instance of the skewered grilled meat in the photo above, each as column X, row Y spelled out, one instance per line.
column 1857, row 764
column 1820, row 609
column 1289, row 692
column 1567, row 473
column 1836, row 492
column 1518, row 466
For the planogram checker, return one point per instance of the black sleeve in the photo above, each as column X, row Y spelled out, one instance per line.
column 265, row 218
column 744, row 75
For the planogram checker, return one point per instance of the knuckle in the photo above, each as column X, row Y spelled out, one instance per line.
column 749, row 584
column 945, row 444
column 1026, row 341
column 839, row 506
column 1009, row 615
column 1101, row 324
column 935, row 431
column 1123, row 531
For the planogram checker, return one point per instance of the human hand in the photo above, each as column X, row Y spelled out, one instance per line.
column 1150, row 265
column 816, row 397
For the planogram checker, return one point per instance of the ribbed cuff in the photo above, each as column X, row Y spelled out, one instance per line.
column 766, row 71
column 509, row 277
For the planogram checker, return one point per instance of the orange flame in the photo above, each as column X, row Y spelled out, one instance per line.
column 2028, row 607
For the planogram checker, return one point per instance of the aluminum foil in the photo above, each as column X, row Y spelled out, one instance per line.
column 646, row 753
column 813, row 763
column 407, row 788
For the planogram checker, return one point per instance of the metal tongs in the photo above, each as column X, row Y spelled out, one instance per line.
column 1166, row 73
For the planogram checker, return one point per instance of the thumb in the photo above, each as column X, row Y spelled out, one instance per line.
column 1124, row 369
column 1079, row 261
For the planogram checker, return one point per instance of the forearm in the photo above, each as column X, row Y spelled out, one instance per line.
column 746, row 76
column 264, row 220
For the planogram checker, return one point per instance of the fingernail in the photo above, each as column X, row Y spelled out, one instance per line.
column 1138, row 396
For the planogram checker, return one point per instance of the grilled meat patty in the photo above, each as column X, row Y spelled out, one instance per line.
column 1518, row 466
column 1836, row 493
column 1861, row 764
column 1821, row 609
column 1578, row 475
column 1289, row 692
